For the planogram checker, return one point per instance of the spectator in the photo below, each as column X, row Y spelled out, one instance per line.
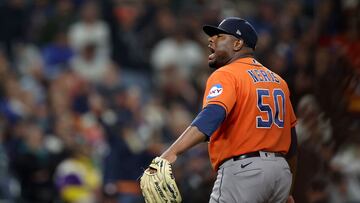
column 89, row 66
column 7, row 194
column 12, row 30
column 130, row 50
column 60, row 21
column 77, row 177
column 90, row 29
column 314, row 132
column 178, row 51
column 35, row 166
column 127, row 137
column 57, row 55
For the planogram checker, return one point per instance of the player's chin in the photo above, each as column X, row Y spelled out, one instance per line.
column 213, row 64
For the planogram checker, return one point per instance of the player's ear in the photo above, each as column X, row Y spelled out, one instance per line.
column 238, row 44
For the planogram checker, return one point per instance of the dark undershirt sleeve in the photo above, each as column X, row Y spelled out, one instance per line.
column 209, row 119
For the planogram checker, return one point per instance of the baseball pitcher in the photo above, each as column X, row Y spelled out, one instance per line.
column 247, row 119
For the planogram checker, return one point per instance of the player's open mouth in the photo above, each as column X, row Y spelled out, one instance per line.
column 212, row 53
column 212, row 50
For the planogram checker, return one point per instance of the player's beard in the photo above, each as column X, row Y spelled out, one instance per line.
column 213, row 64
column 217, row 60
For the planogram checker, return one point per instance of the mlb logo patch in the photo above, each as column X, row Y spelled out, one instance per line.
column 215, row 91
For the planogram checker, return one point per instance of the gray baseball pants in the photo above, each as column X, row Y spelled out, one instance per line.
column 264, row 179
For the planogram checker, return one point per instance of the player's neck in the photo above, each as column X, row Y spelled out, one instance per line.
column 242, row 55
column 245, row 55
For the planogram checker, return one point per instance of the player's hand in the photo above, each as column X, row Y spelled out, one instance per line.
column 171, row 158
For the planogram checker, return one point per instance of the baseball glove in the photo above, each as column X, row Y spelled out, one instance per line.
column 158, row 183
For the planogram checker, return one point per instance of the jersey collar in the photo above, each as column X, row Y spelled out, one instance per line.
column 249, row 61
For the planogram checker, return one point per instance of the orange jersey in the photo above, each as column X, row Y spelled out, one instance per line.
column 259, row 114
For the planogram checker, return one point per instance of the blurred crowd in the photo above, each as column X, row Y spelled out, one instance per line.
column 91, row 91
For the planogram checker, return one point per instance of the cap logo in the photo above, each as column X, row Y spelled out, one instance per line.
column 238, row 32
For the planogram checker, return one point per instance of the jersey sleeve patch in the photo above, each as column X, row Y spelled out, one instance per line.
column 215, row 91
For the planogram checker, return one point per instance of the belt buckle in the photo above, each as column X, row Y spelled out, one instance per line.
column 267, row 155
column 242, row 157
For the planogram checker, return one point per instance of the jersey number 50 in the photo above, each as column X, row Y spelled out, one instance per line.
column 279, row 108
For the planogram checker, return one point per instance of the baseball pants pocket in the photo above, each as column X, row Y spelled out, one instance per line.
column 249, row 178
column 216, row 192
column 243, row 182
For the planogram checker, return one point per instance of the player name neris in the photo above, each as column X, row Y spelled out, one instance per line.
column 263, row 76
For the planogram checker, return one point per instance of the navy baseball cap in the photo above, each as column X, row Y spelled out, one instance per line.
column 237, row 27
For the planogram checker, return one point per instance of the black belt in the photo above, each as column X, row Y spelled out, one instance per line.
column 254, row 154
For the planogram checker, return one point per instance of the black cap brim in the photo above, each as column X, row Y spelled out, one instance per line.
column 212, row 30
